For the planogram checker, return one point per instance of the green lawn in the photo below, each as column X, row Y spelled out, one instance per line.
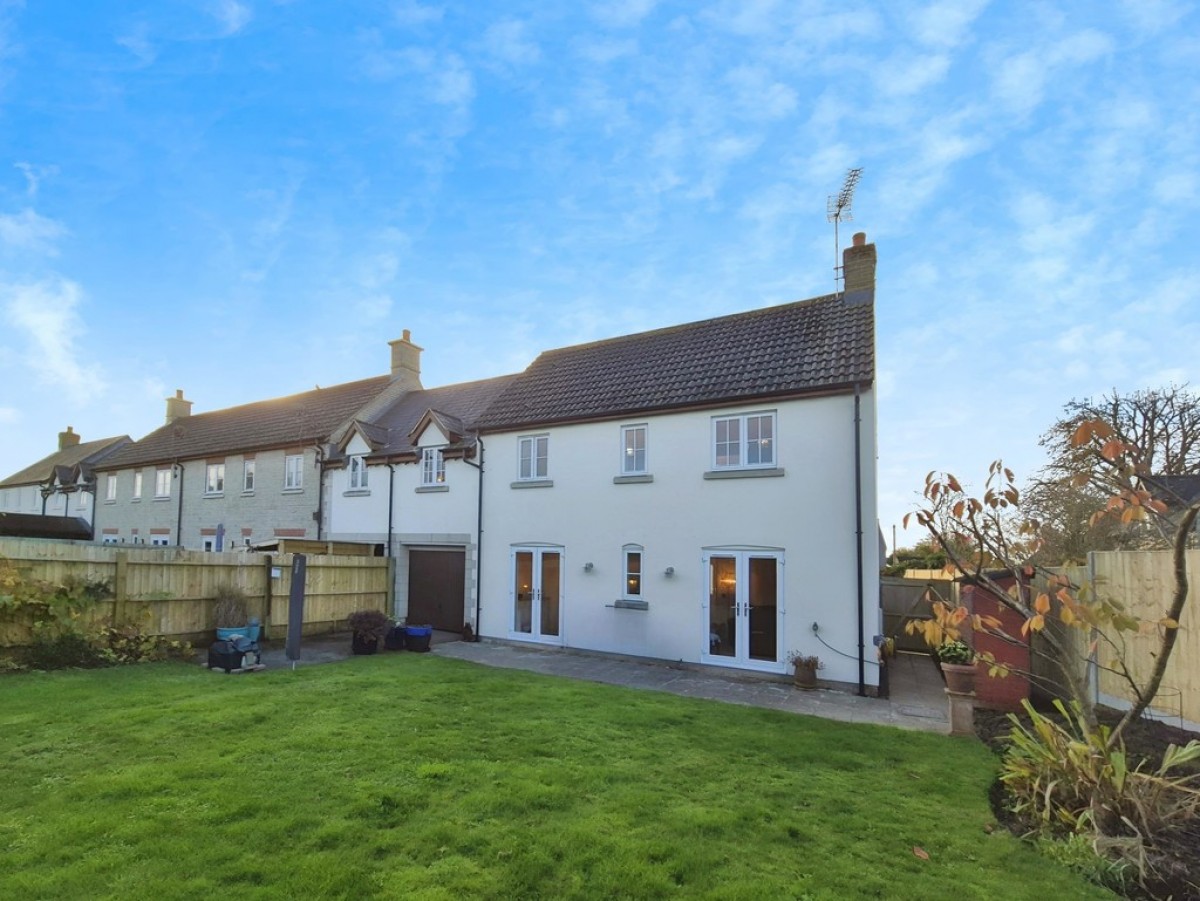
column 407, row 774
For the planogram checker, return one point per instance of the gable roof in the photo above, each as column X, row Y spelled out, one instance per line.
column 61, row 463
column 281, row 422
column 456, row 406
column 811, row 346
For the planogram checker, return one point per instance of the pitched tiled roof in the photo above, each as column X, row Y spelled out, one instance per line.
column 298, row 419
column 810, row 346
column 84, row 452
column 463, row 402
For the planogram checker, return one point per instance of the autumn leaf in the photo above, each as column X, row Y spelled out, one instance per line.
column 1042, row 603
column 920, row 852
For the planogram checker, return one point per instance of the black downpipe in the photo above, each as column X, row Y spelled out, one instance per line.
column 179, row 515
column 320, row 457
column 478, row 538
column 391, row 501
column 858, row 531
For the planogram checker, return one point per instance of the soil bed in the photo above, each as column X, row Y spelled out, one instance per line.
column 1176, row 860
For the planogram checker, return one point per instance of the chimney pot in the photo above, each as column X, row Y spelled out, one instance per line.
column 67, row 439
column 406, row 360
column 860, row 238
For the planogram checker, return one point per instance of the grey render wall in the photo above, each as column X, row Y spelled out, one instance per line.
column 268, row 511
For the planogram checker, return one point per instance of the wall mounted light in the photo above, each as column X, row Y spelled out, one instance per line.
column 669, row 571
column 587, row 567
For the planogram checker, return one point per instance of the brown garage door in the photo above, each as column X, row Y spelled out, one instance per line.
column 436, row 582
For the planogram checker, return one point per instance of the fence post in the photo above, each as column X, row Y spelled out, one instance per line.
column 267, row 623
column 121, row 589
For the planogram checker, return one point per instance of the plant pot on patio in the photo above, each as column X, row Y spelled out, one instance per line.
column 394, row 640
column 367, row 626
column 805, row 669
column 957, row 662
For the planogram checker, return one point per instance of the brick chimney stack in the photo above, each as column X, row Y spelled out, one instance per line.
column 858, row 267
column 406, row 360
column 67, row 439
column 177, row 407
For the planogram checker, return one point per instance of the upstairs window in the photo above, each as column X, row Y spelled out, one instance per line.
column 247, row 475
column 110, row 488
column 293, row 471
column 433, row 467
column 214, row 478
column 162, row 483
column 633, row 450
column 358, row 472
column 533, row 456
column 744, row 442
column 137, row 485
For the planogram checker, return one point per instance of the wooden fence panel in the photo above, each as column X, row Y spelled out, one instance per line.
column 1144, row 582
column 1046, row 675
column 172, row 592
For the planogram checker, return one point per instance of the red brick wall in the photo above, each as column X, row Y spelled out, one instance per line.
column 999, row 692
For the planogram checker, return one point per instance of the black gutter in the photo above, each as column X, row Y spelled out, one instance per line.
column 478, row 537
column 858, row 527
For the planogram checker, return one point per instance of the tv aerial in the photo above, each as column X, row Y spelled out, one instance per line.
column 838, row 209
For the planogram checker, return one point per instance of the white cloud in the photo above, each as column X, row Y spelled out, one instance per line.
column 232, row 16
column 759, row 95
column 28, row 231
column 946, row 22
column 45, row 314
column 34, row 175
column 911, row 75
column 9, row 415
column 138, row 43
column 623, row 13
column 508, row 41
column 410, row 14
column 1020, row 80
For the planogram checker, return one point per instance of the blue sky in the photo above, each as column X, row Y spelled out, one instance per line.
column 244, row 199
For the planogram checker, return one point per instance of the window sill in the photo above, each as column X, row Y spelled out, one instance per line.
column 765, row 473
column 631, row 605
column 165, row 497
column 633, row 480
column 431, row 489
column 533, row 483
column 213, row 494
column 248, row 493
column 135, row 500
column 357, row 492
column 293, row 490
column 108, row 501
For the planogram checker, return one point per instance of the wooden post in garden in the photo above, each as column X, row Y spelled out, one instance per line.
column 121, row 589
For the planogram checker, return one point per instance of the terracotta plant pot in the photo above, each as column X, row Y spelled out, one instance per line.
column 960, row 678
column 806, row 676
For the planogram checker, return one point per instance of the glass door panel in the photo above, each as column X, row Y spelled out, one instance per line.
column 548, row 593
column 523, row 590
column 763, row 607
column 722, row 606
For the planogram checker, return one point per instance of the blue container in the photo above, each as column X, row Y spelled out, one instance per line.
column 252, row 630
column 417, row 637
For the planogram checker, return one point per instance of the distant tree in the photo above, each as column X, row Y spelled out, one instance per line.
column 1160, row 427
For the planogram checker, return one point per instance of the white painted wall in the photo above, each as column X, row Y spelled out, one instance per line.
column 809, row 513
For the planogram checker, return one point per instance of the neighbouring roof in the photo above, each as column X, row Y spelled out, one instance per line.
column 812, row 346
column 31, row 525
column 1176, row 491
column 61, row 463
column 459, row 404
column 283, row 421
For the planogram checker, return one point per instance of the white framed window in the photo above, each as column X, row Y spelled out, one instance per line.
column 633, row 450
column 137, row 485
column 746, row 441
column 533, row 457
column 247, row 475
column 83, row 500
column 433, row 467
column 160, row 540
column 162, row 483
column 110, row 539
column 631, row 584
column 214, row 478
column 358, row 472
column 110, row 488
column 293, row 471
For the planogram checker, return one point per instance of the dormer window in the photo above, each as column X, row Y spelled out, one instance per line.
column 358, row 472
column 433, row 467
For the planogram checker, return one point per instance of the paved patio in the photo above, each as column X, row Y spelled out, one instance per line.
column 917, row 697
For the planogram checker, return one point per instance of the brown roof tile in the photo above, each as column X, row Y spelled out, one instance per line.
column 85, row 452
column 297, row 419
column 810, row 346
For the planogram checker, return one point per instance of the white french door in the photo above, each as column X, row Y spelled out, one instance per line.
column 537, row 594
column 743, row 609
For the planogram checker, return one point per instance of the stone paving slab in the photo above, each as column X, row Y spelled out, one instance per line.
column 916, row 685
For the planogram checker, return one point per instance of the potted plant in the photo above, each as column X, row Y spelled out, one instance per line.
column 367, row 627
column 230, row 614
column 805, row 668
column 417, row 638
column 957, row 661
